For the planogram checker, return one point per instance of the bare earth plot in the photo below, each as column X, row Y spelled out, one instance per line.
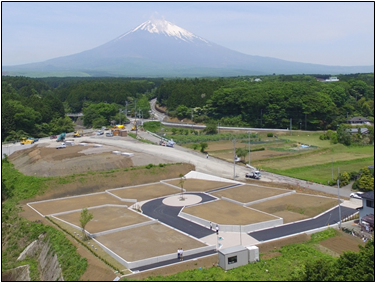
column 80, row 202
column 295, row 207
column 342, row 243
column 198, row 185
column 106, row 218
column 147, row 241
column 145, row 192
column 225, row 212
column 248, row 193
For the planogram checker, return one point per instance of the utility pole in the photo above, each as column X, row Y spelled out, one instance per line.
column 126, row 108
column 261, row 118
column 218, row 127
column 332, row 170
column 306, row 122
column 135, row 108
column 249, row 148
column 233, row 141
column 290, row 126
column 119, row 116
column 339, row 205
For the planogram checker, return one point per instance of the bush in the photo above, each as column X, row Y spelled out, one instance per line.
column 269, row 135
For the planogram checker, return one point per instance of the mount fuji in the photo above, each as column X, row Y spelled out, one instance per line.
column 158, row 48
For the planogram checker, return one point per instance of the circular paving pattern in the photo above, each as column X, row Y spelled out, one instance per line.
column 177, row 201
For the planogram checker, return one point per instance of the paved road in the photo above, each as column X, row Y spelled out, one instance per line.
column 169, row 215
column 329, row 218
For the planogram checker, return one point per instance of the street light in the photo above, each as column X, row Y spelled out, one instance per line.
column 233, row 141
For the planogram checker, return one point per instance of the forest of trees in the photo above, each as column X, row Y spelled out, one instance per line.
column 36, row 107
column 272, row 102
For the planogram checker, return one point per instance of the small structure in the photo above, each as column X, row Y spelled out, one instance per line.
column 358, row 120
column 123, row 133
column 367, row 211
column 331, row 79
column 233, row 257
column 363, row 131
column 253, row 253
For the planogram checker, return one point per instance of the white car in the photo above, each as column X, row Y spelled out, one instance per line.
column 62, row 145
column 356, row 195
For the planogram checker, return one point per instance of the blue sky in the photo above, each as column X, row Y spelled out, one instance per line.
column 335, row 33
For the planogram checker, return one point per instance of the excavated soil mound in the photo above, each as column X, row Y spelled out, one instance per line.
column 48, row 161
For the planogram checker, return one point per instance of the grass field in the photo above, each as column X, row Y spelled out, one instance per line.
column 285, row 156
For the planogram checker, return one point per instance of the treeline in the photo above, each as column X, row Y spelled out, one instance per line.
column 271, row 102
column 37, row 106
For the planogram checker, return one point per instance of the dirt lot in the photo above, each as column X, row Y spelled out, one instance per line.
column 299, row 205
column 145, row 192
column 197, row 185
column 225, row 212
column 147, row 241
column 248, row 193
column 341, row 243
column 106, row 218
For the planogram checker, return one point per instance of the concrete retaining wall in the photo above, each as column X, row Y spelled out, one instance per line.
column 269, row 198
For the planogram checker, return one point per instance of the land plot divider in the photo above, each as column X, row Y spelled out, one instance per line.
column 94, row 235
column 90, row 207
column 270, row 198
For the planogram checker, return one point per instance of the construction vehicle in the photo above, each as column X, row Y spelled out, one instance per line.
column 134, row 125
column 61, row 137
column 26, row 141
column 253, row 175
column 77, row 134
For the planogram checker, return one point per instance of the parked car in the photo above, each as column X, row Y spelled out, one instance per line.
column 99, row 133
column 356, row 195
column 53, row 137
column 109, row 134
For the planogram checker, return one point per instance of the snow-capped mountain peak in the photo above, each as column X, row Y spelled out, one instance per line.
column 161, row 26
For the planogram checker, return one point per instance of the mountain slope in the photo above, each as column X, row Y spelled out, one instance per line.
column 158, row 48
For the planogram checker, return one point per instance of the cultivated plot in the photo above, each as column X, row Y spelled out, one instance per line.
column 147, row 241
column 296, row 206
column 73, row 203
column 248, row 193
column 198, row 185
column 145, row 192
column 228, row 213
column 106, row 218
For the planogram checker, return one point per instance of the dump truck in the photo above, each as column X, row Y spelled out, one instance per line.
column 61, row 137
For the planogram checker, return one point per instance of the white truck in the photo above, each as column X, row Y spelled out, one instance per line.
column 62, row 145
column 253, row 175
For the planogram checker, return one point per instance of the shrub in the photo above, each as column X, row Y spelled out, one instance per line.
column 269, row 135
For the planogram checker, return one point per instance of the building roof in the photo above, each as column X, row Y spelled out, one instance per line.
column 369, row 218
column 232, row 250
column 368, row 195
column 356, row 130
column 358, row 119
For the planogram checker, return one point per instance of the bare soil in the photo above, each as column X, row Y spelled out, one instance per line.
column 106, row 218
column 248, row 193
column 147, row 241
column 225, row 212
column 145, row 192
column 343, row 242
column 197, row 185
column 299, row 204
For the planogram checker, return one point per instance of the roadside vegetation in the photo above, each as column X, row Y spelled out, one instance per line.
column 17, row 232
column 294, row 262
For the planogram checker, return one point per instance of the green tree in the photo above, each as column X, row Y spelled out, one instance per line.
column 241, row 152
column 343, row 135
column 85, row 218
column 211, row 128
column 203, row 146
